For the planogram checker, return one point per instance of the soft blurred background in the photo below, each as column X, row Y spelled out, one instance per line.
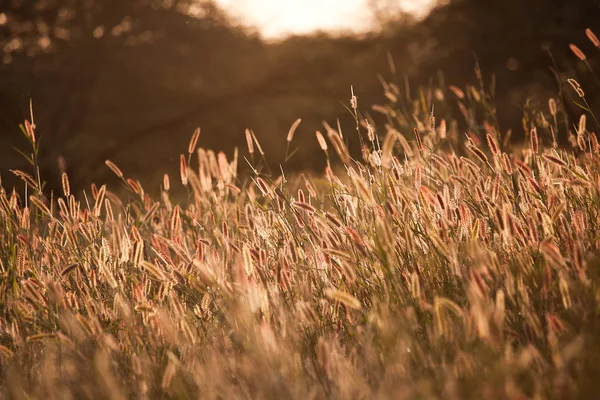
column 130, row 80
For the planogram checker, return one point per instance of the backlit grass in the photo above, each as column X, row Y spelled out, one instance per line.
column 440, row 264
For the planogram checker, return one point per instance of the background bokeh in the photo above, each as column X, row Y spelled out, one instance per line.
column 130, row 80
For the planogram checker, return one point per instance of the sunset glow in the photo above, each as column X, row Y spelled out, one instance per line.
column 279, row 18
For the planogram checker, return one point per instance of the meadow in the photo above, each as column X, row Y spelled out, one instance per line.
column 439, row 262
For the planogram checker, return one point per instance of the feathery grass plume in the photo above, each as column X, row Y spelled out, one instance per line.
column 339, row 146
column 353, row 99
column 370, row 132
column 40, row 205
column 419, row 140
column 390, row 96
column 552, row 254
column 500, row 219
column 441, row 323
column 417, row 178
column 595, row 144
column 304, row 206
column 26, row 178
column 154, row 271
column 32, row 293
column 564, row 291
column 577, row 256
column 387, row 149
column 523, row 168
column 168, row 375
column 99, row 200
column 63, row 207
column 439, row 95
column 321, row 140
column 492, row 144
column 69, row 269
column 534, row 142
column 552, row 107
column 534, row 185
column 94, row 191
column 247, row 259
column 357, row 241
column 384, row 234
column 480, row 154
column 74, row 208
column 175, row 225
column 249, row 141
column 470, row 165
column 442, row 129
column 592, row 37
column 457, row 91
column 212, row 163
column 558, row 211
column 166, row 183
column 408, row 150
column 333, row 220
column 380, row 109
column 555, row 160
column 262, row 185
column 258, row 146
column 301, row 196
column 582, row 124
column 506, row 164
column 581, row 142
column 183, row 172
column 577, row 51
column 30, row 130
column 343, row 297
column 292, row 130
column 138, row 253
column 113, row 167
column 576, row 87
column 133, row 185
column 65, row 184
column 363, row 189
column 224, row 167
column 40, row 336
column 439, row 160
column 193, row 141
column 475, row 94
column 108, row 209
column 151, row 211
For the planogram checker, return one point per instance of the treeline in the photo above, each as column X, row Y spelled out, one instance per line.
column 131, row 80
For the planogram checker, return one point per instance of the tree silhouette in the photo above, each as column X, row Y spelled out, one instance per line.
column 57, row 52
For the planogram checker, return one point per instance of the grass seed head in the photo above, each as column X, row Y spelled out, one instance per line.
column 592, row 37
column 321, row 140
column 534, row 142
column 194, row 141
column 114, row 168
column 577, row 51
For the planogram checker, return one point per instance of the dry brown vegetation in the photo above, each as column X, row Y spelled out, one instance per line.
column 440, row 265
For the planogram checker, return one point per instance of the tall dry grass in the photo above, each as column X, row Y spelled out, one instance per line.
column 440, row 265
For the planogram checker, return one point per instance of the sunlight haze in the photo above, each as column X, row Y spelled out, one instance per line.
column 278, row 18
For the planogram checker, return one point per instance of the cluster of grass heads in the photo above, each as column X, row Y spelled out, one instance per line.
column 440, row 265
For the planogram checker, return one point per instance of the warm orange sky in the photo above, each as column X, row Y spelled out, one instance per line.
column 276, row 18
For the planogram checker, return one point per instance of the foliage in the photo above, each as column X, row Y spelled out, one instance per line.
column 437, row 266
column 120, row 76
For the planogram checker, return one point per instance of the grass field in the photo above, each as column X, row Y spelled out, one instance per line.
column 437, row 265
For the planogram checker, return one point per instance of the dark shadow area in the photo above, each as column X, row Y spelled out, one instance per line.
column 131, row 80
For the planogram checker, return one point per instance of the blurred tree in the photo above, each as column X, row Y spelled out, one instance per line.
column 131, row 79
column 391, row 15
column 60, row 53
column 524, row 44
